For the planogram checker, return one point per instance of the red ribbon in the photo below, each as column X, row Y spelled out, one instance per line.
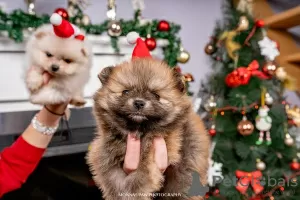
column 249, row 178
column 242, row 75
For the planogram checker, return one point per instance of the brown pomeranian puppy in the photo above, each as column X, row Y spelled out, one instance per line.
column 146, row 97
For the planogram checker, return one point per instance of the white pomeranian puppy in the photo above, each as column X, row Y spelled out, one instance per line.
column 59, row 50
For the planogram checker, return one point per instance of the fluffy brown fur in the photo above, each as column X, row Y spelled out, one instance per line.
column 167, row 112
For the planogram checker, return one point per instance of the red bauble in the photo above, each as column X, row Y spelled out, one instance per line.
column 269, row 68
column 295, row 166
column 163, row 26
column 150, row 43
column 207, row 195
column 212, row 132
column 260, row 23
column 62, row 12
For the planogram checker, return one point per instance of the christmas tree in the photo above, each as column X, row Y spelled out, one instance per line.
column 253, row 155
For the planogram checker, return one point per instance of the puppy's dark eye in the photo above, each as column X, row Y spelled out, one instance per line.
column 125, row 92
column 68, row 60
column 49, row 55
column 156, row 95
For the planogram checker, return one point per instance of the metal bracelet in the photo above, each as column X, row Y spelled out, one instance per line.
column 42, row 128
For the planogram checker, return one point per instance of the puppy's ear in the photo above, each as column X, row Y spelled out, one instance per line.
column 40, row 35
column 179, row 81
column 104, row 74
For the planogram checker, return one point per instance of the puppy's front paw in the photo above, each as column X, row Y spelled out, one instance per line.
column 78, row 102
column 34, row 83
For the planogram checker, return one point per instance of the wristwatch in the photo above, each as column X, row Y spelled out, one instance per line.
column 42, row 128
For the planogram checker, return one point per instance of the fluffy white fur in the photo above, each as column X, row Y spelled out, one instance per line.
column 74, row 59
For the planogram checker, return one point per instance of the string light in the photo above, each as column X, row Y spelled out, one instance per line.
column 233, row 108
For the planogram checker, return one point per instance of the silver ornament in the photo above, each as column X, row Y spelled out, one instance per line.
column 289, row 141
column 260, row 165
column 114, row 28
column 30, row 6
column 210, row 104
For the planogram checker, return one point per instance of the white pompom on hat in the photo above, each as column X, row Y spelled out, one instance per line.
column 140, row 50
column 63, row 28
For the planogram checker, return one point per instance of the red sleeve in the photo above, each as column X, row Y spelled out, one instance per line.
column 17, row 162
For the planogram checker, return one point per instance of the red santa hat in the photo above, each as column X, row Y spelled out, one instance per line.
column 140, row 50
column 63, row 28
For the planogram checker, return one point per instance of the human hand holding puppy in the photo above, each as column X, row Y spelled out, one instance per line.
column 33, row 136
column 132, row 156
column 145, row 96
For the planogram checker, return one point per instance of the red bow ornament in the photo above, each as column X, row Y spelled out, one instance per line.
column 249, row 178
column 242, row 75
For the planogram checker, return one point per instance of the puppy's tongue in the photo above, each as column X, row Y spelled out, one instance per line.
column 46, row 77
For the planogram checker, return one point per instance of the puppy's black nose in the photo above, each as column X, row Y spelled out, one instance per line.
column 139, row 104
column 54, row 68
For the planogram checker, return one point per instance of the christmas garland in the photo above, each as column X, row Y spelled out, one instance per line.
column 18, row 21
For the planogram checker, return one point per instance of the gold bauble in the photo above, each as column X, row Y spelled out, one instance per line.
column 269, row 68
column 289, row 141
column 114, row 28
column 260, row 165
column 86, row 20
column 245, row 127
column 243, row 24
column 209, row 49
column 281, row 73
column 183, row 56
column 78, row 21
column 72, row 11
